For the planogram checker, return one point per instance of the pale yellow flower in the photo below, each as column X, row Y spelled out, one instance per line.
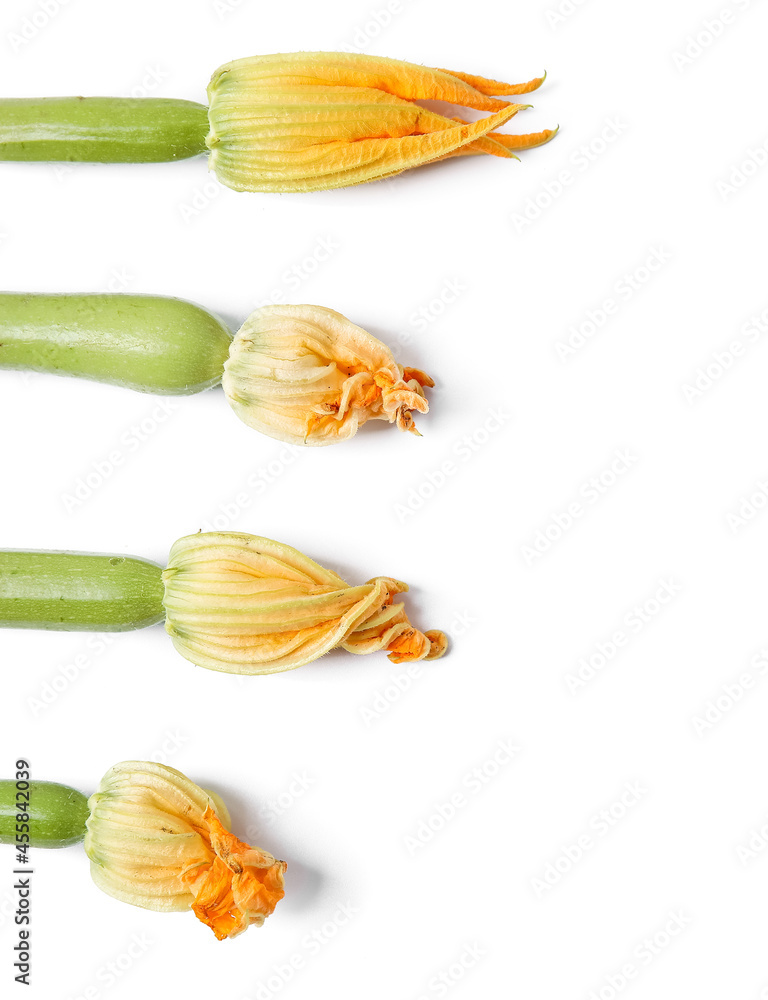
column 248, row 605
column 307, row 375
column 157, row 840
column 307, row 121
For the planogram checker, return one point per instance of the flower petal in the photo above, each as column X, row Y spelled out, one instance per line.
column 225, row 613
column 307, row 375
column 308, row 121
column 486, row 86
column 241, row 887
column 249, row 158
column 156, row 839
column 145, row 828
column 501, row 144
column 344, row 69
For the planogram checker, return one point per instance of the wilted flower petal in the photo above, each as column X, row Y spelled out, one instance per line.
column 306, row 375
column 157, row 840
column 248, row 605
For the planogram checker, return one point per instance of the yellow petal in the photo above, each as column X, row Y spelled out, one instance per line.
column 256, row 165
column 500, row 144
column 343, row 69
column 244, row 604
column 157, row 840
column 315, row 121
column 486, row 86
column 307, row 375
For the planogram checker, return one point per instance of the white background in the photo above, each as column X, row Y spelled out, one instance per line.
column 532, row 260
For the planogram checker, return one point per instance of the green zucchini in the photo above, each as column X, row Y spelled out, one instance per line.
column 71, row 591
column 149, row 343
column 102, row 129
column 41, row 814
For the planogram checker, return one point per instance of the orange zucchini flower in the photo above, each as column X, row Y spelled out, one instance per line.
column 309, row 121
column 248, row 605
column 308, row 376
column 157, row 840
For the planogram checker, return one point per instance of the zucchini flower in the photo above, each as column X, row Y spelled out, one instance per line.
column 307, row 375
column 154, row 839
column 309, row 121
column 247, row 605
column 231, row 602
column 301, row 121
column 302, row 374
column 157, row 840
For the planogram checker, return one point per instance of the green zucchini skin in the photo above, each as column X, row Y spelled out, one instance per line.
column 101, row 129
column 77, row 592
column 149, row 343
column 57, row 813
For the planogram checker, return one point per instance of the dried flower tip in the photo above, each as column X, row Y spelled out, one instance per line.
column 307, row 375
column 248, row 605
column 157, row 840
column 308, row 121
